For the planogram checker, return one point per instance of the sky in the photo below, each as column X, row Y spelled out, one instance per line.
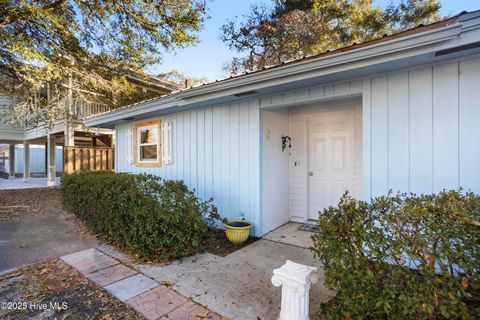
column 206, row 58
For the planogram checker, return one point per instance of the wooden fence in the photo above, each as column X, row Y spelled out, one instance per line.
column 81, row 159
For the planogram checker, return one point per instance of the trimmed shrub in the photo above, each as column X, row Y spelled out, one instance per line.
column 155, row 219
column 402, row 257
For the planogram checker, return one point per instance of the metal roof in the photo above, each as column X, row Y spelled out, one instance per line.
column 317, row 57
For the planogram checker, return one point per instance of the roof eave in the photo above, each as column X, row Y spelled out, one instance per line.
column 344, row 60
column 392, row 46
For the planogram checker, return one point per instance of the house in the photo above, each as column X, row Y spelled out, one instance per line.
column 75, row 141
column 399, row 113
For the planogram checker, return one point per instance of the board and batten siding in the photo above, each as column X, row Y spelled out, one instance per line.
column 422, row 131
column 215, row 150
column 419, row 133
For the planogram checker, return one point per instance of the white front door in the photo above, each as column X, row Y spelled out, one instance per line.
column 330, row 159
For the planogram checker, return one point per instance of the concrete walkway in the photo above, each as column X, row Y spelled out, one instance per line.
column 37, row 238
column 18, row 183
column 289, row 234
column 147, row 296
column 237, row 286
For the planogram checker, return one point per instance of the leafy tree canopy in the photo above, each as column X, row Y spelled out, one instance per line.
column 290, row 29
column 88, row 46
column 183, row 80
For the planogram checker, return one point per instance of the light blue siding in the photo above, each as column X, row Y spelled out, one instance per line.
column 445, row 127
column 201, row 146
column 379, row 136
column 398, row 131
column 469, row 120
column 215, row 151
column 37, row 159
column 422, row 130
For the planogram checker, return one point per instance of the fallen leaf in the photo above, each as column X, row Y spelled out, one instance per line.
column 167, row 283
column 45, row 270
column 205, row 315
column 465, row 283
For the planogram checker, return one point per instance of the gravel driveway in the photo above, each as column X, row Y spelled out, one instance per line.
column 34, row 227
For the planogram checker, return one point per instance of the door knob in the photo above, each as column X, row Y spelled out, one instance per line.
column 310, row 173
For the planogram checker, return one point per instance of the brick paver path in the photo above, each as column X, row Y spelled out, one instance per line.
column 148, row 297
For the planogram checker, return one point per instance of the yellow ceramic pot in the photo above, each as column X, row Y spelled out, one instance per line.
column 237, row 231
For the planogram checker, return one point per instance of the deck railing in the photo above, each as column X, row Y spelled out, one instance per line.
column 85, row 109
column 82, row 159
column 81, row 110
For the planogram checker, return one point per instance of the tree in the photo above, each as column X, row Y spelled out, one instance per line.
column 181, row 79
column 86, row 48
column 291, row 29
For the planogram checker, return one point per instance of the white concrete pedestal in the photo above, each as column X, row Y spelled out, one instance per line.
column 295, row 280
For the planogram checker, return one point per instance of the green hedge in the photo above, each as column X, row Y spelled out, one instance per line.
column 402, row 257
column 153, row 218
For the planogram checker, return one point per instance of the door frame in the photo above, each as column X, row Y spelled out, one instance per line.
column 349, row 112
column 298, row 131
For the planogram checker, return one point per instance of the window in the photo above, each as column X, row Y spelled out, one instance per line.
column 147, row 141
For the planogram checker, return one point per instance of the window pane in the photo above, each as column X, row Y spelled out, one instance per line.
column 148, row 153
column 149, row 135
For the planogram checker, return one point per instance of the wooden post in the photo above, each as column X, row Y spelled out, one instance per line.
column 98, row 158
column 11, row 161
column 26, row 161
column 46, row 158
column 77, row 159
column 85, row 159
column 92, row 159
column 52, row 168
column 104, row 160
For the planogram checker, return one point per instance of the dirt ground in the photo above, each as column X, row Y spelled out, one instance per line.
column 34, row 227
column 54, row 290
column 217, row 243
column 36, row 200
column 18, row 203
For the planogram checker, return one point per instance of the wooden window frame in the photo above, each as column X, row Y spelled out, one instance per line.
column 158, row 162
